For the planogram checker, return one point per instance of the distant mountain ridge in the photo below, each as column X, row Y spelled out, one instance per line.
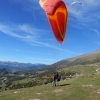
column 89, row 58
column 15, row 66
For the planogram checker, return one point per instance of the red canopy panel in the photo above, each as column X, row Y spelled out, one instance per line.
column 57, row 15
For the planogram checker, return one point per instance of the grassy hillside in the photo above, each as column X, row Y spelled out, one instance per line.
column 82, row 88
column 89, row 58
column 85, row 85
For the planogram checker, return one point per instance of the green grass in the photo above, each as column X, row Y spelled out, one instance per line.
column 80, row 88
column 26, row 80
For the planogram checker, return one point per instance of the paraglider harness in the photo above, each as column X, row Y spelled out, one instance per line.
column 57, row 77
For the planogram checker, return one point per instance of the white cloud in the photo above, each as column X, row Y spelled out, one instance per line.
column 96, row 31
column 9, row 31
column 29, row 34
column 24, row 32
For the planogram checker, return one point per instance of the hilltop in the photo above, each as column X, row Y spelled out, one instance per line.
column 89, row 58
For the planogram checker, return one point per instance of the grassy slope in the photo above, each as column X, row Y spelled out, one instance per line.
column 81, row 88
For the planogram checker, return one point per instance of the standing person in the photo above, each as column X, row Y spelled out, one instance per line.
column 54, row 78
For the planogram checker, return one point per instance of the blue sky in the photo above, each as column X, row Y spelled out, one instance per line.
column 25, row 34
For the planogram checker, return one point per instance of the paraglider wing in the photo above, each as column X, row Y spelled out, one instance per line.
column 57, row 14
column 76, row 2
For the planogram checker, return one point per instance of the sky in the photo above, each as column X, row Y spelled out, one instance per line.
column 26, row 36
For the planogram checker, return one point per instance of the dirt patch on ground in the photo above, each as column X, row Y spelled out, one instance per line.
column 87, row 85
column 16, row 92
column 58, row 90
column 34, row 99
column 39, row 93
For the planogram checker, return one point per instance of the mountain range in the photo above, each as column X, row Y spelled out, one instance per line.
column 89, row 58
column 16, row 66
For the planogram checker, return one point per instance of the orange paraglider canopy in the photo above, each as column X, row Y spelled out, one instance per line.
column 57, row 15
